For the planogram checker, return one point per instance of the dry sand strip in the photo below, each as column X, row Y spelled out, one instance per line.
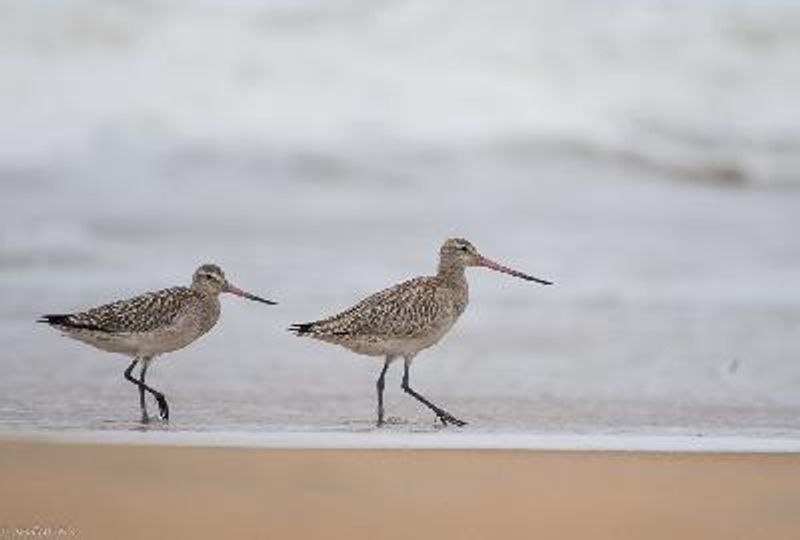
column 117, row 492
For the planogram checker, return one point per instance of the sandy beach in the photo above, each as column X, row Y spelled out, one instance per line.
column 128, row 491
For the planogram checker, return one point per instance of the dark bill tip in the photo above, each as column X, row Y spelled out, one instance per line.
column 488, row 263
column 259, row 299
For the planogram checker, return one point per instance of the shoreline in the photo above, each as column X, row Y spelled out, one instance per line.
column 444, row 440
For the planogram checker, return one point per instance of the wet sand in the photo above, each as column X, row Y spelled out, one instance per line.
column 129, row 491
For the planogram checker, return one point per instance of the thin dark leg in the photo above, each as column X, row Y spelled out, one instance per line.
column 443, row 415
column 142, row 401
column 380, row 384
column 142, row 405
column 163, row 407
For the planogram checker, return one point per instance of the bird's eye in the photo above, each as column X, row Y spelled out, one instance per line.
column 463, row 248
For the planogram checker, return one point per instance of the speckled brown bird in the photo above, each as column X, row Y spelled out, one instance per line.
column 152, row 324
column 401, row 321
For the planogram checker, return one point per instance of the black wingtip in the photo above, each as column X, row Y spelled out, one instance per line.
column 301, row 329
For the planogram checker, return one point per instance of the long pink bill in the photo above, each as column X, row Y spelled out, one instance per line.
column 487, row 263
column 244, row 294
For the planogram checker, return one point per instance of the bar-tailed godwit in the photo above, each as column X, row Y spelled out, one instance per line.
column 152, row 324
column 401, row 321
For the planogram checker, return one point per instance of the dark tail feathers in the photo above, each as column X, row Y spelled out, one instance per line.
column 62, row 320
column 301, row 329
column 65, row 321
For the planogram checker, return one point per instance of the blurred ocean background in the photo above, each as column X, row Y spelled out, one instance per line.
column 643, row 154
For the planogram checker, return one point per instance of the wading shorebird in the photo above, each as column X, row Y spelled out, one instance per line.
column 151, row 324
column 401, row 321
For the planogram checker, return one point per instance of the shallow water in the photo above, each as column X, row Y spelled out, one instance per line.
column 277, row 142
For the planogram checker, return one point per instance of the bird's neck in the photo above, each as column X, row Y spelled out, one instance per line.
column 452, row 272
column 210, row 314
column 204, row 289
column 453, row 277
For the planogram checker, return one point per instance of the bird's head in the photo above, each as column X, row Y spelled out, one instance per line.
column 211, row 279
column 460, row 253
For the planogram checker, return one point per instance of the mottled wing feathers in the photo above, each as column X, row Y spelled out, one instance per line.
column 405, row 310
column 142, row 313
